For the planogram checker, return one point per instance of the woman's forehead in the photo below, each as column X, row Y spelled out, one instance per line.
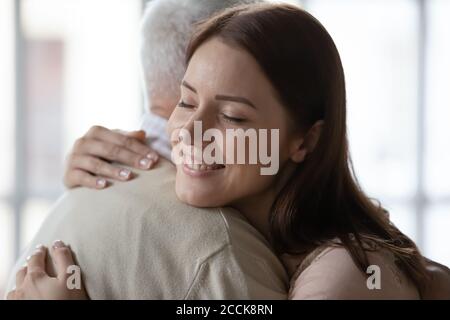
column 219, row 66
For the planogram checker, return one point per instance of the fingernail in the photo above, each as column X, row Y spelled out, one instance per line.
column 144, row 163
column 124, row 173
column 101, row 183
column 58, row 244
column 39, row 246
column 152, row 156
column 28, row 258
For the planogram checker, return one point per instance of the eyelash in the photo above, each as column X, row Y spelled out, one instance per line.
column 182, row 104
column 233, row 119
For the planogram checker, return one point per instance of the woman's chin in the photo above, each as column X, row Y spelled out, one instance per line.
column 195, row 199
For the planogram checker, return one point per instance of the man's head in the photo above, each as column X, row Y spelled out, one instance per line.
column 165, row 30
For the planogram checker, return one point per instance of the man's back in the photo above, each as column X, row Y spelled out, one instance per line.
column 135, row 240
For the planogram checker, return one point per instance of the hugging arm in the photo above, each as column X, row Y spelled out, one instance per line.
column 438, row 285
column 33, row 281
column 335, row 276
column 89, row 163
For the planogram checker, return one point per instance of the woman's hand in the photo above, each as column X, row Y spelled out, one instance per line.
column 89, row 162
column 34, row 283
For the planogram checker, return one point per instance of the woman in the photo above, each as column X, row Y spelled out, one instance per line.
column 275, row 67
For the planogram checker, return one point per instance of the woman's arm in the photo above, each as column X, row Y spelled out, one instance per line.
column 34, row 283
column 438, row 286
column 89, row 162
column 334, row 275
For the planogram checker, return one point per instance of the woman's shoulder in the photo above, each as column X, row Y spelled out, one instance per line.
column 329, row 272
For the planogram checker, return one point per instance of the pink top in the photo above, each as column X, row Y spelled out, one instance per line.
column 330, row 273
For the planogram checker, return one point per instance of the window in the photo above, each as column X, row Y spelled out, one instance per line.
column 396, row 61
column 379, row 51
column 7, row 85
column 437, row 132
column 76, row 64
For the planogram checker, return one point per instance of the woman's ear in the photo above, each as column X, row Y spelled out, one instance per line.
column 302, row 146
column 313, row 135
column 298, row 151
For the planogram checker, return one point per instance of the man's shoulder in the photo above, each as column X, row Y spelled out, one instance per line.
column 145, row 187
column 256, row 266
column 137, row 240
column 146, row 206
column 150, row 193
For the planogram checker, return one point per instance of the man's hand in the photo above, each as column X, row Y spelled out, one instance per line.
column 89, row 163
column 34, row 283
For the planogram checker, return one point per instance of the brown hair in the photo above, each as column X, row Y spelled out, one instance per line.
column 322, row 200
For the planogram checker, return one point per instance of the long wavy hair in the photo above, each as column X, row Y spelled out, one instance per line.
column 322, row 200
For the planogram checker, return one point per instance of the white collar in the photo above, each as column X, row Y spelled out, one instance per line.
column 156, row 135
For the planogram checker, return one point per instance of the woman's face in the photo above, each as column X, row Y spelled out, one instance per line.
column 225, row 88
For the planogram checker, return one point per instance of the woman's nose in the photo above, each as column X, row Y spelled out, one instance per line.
column 198, row 123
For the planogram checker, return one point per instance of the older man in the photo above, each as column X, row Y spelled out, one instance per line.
column 135, row 240
column 165, row 30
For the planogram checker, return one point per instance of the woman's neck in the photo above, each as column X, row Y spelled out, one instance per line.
column 257, row 211
column 257, row 208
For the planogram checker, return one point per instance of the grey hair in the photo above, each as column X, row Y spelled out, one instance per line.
column 166, row 27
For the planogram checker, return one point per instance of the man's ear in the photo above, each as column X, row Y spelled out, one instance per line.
column 302, row 146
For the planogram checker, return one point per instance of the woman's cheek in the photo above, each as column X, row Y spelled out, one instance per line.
column 179, row 117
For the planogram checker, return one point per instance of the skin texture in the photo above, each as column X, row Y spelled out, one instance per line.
column 216, row 70
column 33, row 281
column 162, row 105
column 89, row 164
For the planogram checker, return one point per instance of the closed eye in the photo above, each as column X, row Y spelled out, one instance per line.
column 233, row 119
column 182, row 104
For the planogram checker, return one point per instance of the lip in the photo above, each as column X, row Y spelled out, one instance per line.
column 200, row 173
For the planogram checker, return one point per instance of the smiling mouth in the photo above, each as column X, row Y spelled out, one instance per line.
column 204, row 167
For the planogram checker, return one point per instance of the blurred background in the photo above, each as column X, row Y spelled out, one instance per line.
column 66, row 65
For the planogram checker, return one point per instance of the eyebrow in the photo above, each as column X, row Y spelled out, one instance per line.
column 235, row 99
column 187, row 85
column 221, row 96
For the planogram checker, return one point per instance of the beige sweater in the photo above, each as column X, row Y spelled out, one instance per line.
column 135, row 240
